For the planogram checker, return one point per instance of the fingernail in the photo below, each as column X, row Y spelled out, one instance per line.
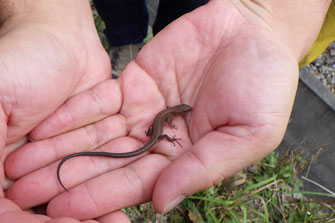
column 173, row 204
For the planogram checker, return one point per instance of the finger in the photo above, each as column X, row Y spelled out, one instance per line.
column 69, row 220
column 5, row 181
column 216, row 156
column 120, row 146
column 111, row 191
column 42, row 185
column 10, row 212
column 7, row 206
column 116, row 216
column 85, row 108
column 65, row 220
column 44, row 152
column 42, row 218
column 90, row 221
column 10, row 217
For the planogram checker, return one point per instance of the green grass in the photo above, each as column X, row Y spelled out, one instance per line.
column 269, row 191
column 100, row 25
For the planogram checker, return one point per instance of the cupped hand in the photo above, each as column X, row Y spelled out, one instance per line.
column 48, row 53
column 222, row 59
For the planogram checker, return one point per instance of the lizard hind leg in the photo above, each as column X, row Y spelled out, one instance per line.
column 171, row 139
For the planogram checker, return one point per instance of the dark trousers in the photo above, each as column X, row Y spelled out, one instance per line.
column 127, row 20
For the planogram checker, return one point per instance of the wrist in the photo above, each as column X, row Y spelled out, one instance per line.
column 295, row 23
column 12, row 11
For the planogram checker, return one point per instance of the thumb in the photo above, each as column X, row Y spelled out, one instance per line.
column 215, row 157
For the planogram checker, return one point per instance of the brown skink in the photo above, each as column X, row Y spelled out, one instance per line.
column 155, row 131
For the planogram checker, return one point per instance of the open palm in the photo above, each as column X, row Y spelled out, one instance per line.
column 238, row 76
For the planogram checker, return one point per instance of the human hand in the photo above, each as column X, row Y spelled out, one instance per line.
column 49, row 52
column 10, row 212
column 232, row 67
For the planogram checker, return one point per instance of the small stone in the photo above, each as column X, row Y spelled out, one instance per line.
column 319, row 61
column 329, row 75
column 332, row 52
column 325, row 81
column 330, row 60
column 325, row 69
column 332, row 80
column 314, row 68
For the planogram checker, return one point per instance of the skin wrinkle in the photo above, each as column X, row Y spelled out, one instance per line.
column 128, row 132
column 91, row 197
column 52, row 144
column 277, row 19
column 30, row 102
column 254, row 9
column 198, row 61
column 66, row 107
column 221, row 129
column 123, row 122
column 176, row 70
column 257, row 137
column 261, row 16
column 8, row 109
column 177, row 86
column 246, row 127
column 224, row 42
column 2, row 111
column 97, row 162
column 106, row 163
column 217, row 177
column 260, row 4
column 138, row 64
column 121, row 95
column 261, row 137
column 112, row 88
column 232, row 139
column 51, row 37
column 134, row 180
column 191, row 155
column 97, row 101
column 188, row 123
column 200, row 80
column 247, row 130
column 94, row 138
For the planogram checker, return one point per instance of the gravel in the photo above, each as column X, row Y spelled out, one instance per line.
column 323, row 68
